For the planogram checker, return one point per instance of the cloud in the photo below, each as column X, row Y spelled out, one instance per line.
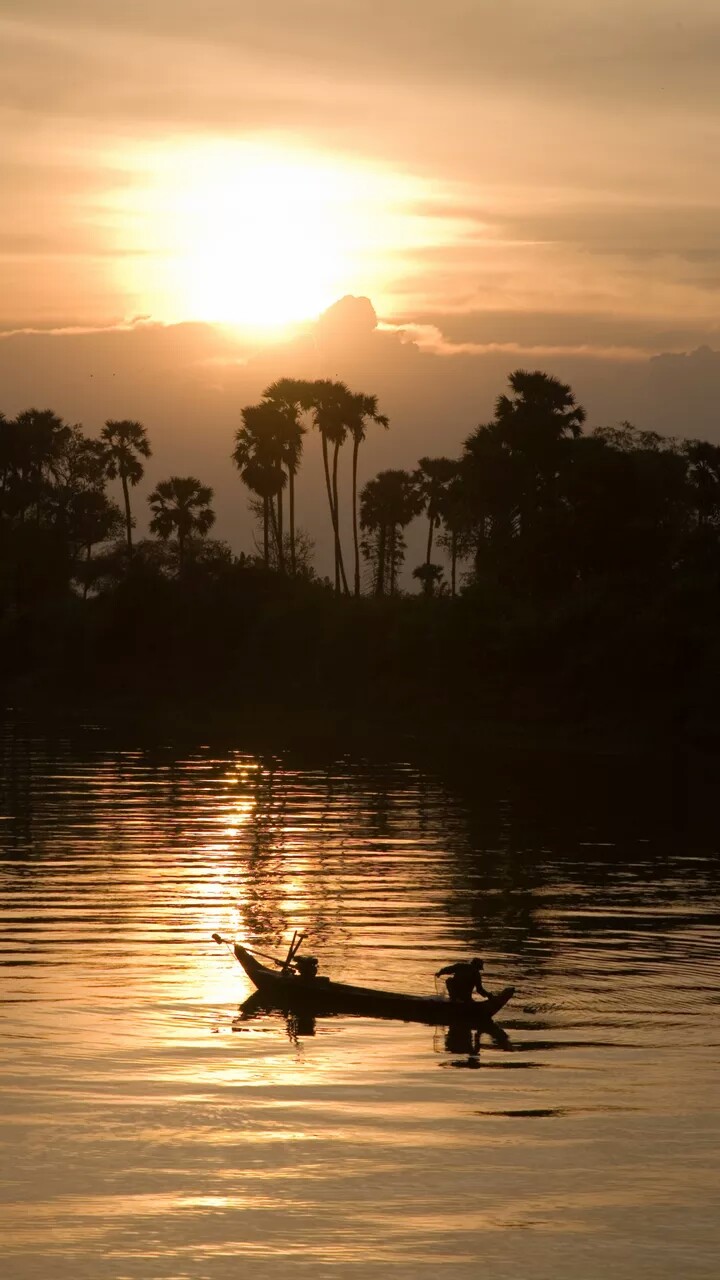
column 574, row 142
column 683, row 392
column 428, row 337
column 570, row 48
column 347, row 320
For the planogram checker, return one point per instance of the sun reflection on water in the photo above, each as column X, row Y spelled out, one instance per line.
column 154, row 1131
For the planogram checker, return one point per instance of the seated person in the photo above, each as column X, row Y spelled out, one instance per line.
column 306, row 966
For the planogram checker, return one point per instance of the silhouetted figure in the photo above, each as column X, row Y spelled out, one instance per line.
column 306, row 966
column 465, row 977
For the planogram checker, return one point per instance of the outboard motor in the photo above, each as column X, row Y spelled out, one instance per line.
column 307, row 966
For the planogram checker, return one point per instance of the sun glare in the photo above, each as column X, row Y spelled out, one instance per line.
column 263, row 236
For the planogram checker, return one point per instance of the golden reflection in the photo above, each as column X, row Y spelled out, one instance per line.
column 190, row 847
column 143, row 1143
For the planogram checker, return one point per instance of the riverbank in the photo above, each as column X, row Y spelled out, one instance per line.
column 275, row 663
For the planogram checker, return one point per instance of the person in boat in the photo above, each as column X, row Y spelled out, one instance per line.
column 464, row 977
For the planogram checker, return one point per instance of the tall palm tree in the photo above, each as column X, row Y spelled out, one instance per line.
column 291, row 396
column 363, row 409
column 181, row 506
column 512, row 474
column 456, row 513
column 265, row 480
column 125, row 443
column 533, row 423
column 433, row 476
column 258, row 457
column 540, row 410
column 331, row 406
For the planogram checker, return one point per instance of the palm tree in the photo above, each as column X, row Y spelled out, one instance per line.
column 433, row 478
column 387, row 504
column 291, row 396
column 704, row 480
column 125, row 443
column 32, row 447
column 455, row 511
column 533, row 423
column 363, row 409
column 258, row 457
column 181, row 506
column 539, row 412
column 331, row 405
column 430, row 575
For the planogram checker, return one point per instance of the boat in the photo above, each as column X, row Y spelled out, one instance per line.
column 287, row 989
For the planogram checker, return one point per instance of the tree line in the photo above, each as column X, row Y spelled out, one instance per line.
column 534, row 504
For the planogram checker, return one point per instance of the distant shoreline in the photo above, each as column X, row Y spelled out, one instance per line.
column 293, row 726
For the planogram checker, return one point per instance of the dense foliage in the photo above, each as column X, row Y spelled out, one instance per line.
column 578, row 577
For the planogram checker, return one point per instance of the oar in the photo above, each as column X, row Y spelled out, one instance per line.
column 294, row 948
column 289, row 955
column 225, row 943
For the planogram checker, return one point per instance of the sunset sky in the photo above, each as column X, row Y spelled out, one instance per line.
column 508, row 181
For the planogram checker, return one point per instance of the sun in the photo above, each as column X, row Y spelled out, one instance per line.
column 263, row 238
column 261, row 234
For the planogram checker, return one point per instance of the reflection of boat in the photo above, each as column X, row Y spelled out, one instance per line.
column 287, row 990
column 299, row 1022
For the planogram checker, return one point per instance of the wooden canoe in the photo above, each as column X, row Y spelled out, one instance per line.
column 287, row 990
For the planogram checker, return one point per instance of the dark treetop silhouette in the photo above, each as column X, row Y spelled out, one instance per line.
column 583, row 568
column 125, row 444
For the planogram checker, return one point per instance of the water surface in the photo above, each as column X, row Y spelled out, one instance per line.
column 149, row 1132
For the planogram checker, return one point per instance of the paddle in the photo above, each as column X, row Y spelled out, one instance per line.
column 297, row 938
column 296, row 947
column 224, row 942
column 289, row 956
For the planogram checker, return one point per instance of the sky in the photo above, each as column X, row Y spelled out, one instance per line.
column 188, row 186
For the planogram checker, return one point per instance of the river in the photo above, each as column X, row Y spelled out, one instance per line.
column 150, row 1132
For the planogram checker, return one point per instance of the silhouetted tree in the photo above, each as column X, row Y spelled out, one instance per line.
column 181, row 507
column 79, row 473
column 126, row 442
column 46, row 468
column 627, row 493
column 457, row 520
column 291, row 396
column 704, row 480
column 31, row 447
column 304, row 546
column 432, row 478
column 332, row 409
column 363, row 409
column 93, row 520
column 430, row 575
column 258, row 457
column 540, row 411
column 512, row 477
column 387, row 505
